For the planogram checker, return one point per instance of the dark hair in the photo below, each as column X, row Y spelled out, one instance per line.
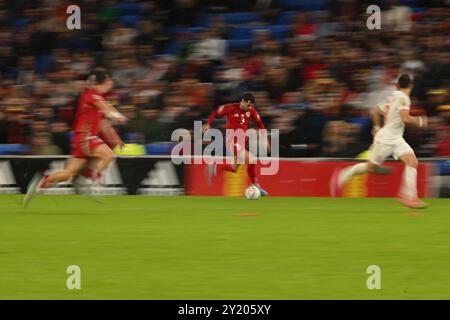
column 248, row 97
column 99, row 75
column 405, row 81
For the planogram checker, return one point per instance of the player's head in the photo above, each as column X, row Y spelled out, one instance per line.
column 101, row 79
column 405, row 82
column 247, row 101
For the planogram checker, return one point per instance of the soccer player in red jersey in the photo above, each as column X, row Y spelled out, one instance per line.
column 86, row 144
column 109, row 135
column 238, row 117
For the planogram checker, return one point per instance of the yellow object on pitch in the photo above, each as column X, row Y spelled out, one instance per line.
column 363, row 155
column 130, row 149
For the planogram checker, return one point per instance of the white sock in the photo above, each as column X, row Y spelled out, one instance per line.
column 349, row 172
column 409, row 183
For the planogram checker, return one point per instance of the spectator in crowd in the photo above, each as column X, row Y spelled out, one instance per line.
column 398, row 17
column 210, row 46
column 43, row 145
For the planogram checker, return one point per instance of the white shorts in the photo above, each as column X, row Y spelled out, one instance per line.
column 380, row 151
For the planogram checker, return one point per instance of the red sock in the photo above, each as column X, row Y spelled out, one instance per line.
column 88, row 173
column 91, row 174
column 251, row 171
column 44, row 183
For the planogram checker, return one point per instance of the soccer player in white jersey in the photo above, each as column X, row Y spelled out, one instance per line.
column 388, row 140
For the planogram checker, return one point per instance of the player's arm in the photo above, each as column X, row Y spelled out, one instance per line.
column 257, row 118
column 376, row 114
column 109, row 110
column 420, row 121
column 406, row 118
column 218, row 113
column 110, row 133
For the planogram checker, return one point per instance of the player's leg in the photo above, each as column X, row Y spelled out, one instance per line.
column 250, row 160
column 408, row 189
column 81, row 152
column 104, row 156
column 354, row 170
column 111, row 139
column 214, row 168
column 100, row 156
column 230, row 167
column 378, row 153
column 73, row 166
column 341, row 176
column 235, row 150
column 108, row 136
column 89, row 171
column 86, row 179
column 361, row 168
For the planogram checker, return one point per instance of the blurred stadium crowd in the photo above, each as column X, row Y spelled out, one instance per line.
column 313, row 65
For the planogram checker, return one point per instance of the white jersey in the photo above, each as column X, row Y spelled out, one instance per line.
column 392, row 131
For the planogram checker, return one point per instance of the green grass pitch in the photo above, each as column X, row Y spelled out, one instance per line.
column 137, row 247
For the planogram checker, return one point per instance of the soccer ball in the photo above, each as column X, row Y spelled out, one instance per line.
column 252, row 193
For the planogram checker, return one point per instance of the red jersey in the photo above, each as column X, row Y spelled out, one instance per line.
column 236, row 117
column 88, row 116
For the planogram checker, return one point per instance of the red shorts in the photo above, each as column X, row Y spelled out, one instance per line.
column 83, row 145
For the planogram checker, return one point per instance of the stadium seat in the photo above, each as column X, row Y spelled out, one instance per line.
column 310, row 5
column 240, row 33
column 278, row 32
column 129, row 8
column 174, row 46
column 21, row 22
column 239, row 43
column 12, row 149
column 11, row 72
column 418, row 10
column 204, row 19
column 130, row 21
column 284, row 17
column 163, row 148
column 171, row 49
column 444, row 168
column 44, row 63
column 233, row 18
column 410, row 3
column 175, row 30
column 363, row 121
column 134, row 137
column 240, row 17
